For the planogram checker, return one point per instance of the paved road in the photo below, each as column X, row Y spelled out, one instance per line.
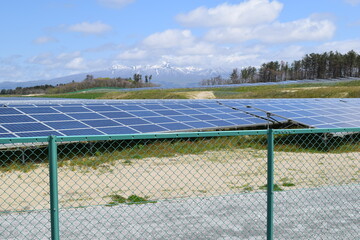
column 326, row 213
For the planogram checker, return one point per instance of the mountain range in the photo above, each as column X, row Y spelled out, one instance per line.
column 164, row 75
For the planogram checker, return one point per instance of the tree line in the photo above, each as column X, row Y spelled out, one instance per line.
column 326, row 65
column 88, row 82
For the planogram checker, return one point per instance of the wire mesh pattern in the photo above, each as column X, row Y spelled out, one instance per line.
column 211, row 185
column 124, row 174
column 324, row 171
column 24, row 178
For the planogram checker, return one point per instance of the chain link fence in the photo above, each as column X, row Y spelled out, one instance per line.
column 25, row 191
column 317, row 191
column 211, row 185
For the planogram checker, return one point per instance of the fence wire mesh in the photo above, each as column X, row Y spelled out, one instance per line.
column 317, row 190
column 24, row 194
column 184, row 186
column 163, row 188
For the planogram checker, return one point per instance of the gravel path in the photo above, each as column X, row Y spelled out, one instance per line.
column 324, row 213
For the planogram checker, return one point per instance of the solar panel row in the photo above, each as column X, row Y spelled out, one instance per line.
column 19, row 118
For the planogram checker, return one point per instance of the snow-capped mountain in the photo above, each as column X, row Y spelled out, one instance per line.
column 164, row 74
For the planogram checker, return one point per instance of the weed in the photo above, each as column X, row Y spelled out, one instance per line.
column 127, row 162
column 133, row 199
column 276, row 187
column 288, row 184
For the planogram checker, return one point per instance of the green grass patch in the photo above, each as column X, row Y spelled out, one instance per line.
column 133, row 199
column 288, row 184
column 341, row 89
column 275, row 188
column 103, row 154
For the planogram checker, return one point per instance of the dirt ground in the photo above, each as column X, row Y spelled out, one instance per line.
column 182, row 176
column 200, row 95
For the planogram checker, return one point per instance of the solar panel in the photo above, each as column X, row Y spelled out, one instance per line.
column 99, row 117
column 83, row 116
column 101, row 123
column 77, row 132
column 118, row 130
column 6, row 135
column 15, row 118
column 28, row 127
column 51, row 117
column 66, row 125
column 38, row 110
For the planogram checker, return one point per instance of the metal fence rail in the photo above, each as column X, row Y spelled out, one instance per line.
column 274, row 184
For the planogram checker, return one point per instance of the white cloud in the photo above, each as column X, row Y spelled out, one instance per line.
column 115, row 3
column 90, row 28
column 44, row 39
column 341, row 46
column 133, row 54
column 295, row 31
column 169, row 39
column 353, row 2
column 248, row 13
column 76, row 64
column 67, row 60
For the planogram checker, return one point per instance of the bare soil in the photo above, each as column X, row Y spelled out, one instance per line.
column 182, row 176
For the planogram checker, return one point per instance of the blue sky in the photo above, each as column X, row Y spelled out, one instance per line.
column 44, row 39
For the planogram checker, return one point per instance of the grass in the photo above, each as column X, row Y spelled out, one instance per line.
column 276, row 188
column 345, row 89
column 103, row 154
column 133, row 199
column 286, row 182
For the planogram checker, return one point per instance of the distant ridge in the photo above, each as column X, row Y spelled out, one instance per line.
column 164, row 74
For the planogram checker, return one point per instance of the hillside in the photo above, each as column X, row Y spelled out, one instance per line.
column 341, row 89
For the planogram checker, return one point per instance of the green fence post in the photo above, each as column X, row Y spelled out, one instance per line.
column 270, row 186
column 54, row 202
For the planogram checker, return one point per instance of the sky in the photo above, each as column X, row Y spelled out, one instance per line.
column 45, row 39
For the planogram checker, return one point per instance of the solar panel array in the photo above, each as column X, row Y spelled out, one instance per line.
column 29, row 118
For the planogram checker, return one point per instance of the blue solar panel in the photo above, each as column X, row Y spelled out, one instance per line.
column 145, row 113
column 196, row 106
column 66, row 125
column 31, row 110
column 223, row 116
column 200, row 125
column 167, row 112
column 131, row 121
column 117, row 130
column 6, row 135
column 174, row 126
column 239, row 122
column 102, row 108
column 149, row 128
column 72, row 109
column 204, row 117
column 117, row 114
column 3, row 130
column 28, row 127
column 95, row 117
column 81, row 132
column 158, row 119
column 5, row 110
column 101, row 123
column 15, row 119
column 175, row 106
column 189, row 112
column 220, row 123
column 129, row 108
column 154, row 107
column 183, row 118
column 51, row 117
column 210, row 110
column 82, row 116
column 39, row 134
